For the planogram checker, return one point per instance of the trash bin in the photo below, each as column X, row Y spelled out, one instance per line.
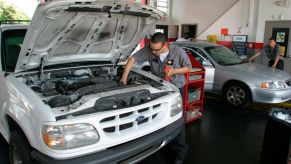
column 276, row 145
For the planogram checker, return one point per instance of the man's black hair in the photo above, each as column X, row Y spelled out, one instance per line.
column 159, row 38
column 272, row 38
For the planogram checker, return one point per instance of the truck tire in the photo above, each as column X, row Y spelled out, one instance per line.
column 19, row 149
column 237, row 95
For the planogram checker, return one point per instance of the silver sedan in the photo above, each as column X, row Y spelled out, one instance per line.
column 236, row 81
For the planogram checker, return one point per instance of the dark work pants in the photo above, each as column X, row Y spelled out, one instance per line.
column 280, row 64
column 179, row 145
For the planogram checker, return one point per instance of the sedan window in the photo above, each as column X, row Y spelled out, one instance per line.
column 223, row 56
column 199, row 51
column 195, row 55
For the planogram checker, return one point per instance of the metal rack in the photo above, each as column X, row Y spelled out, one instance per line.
column 193, row 102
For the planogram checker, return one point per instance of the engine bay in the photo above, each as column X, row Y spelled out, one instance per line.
column 62, row 88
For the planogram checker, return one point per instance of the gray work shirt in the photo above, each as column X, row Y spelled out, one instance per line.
column 177, row 58
column 272, row 53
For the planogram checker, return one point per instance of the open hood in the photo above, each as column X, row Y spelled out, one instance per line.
column 66, row 31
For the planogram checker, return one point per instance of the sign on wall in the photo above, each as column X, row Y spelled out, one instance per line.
column 224, row 31
column 239, row 43
column 240, row 38
column 280, row 38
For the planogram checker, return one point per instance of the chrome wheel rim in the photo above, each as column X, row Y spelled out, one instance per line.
column 16, row 156
column 236, row 96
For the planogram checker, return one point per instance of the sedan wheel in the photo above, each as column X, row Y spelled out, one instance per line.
column 237, row 95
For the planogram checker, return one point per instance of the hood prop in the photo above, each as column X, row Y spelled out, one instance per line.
column 118, row 59
column 4, row 63
column 40, row 72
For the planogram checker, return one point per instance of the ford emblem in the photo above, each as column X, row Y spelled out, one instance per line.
column 140, row 119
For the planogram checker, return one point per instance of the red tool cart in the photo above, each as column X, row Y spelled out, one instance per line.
column 194, row 91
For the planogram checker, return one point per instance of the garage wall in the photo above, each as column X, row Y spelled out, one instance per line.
column 231, row 15
column 235, row 18
column 268, row 10
column 201, row 12
column 264, row 10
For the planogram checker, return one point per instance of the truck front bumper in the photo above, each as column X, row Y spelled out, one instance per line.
column 130, row 152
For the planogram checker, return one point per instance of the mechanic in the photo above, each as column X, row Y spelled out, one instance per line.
column 273, row 52
column 186, row 37
column 160, row 55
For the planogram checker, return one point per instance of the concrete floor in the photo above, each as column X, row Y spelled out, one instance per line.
column 222, row 136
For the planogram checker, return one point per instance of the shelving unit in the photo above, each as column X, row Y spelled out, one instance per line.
column 193, row 101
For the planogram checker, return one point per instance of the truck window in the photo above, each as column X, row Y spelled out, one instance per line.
column 11, row 45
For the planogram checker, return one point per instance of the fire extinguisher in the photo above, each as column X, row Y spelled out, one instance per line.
column 167, row 69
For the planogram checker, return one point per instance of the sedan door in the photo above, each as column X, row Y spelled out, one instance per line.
column 205, row 62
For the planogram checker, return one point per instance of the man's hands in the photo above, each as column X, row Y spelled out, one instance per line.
column 273, row 66
column 253, row 57
column 173, row 71
column 170, row 71
column 123, row 81
column 126, row 70
column 276, row 61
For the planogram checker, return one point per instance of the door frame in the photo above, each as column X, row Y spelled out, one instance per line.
column 164, row 27
column 269, row 25
column 195, row 24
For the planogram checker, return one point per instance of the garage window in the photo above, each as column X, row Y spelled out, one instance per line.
column 163, row 5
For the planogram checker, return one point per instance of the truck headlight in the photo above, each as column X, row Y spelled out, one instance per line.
column 69, row 136
column 176, row 106
column 273, row 85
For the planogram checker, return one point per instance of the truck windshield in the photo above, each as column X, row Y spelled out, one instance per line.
column 11, row 45
column 223, row 56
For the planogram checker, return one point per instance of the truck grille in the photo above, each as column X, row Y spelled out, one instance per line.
column 288, row 83
column 132, row 119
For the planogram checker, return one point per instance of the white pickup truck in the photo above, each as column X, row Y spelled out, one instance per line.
column 60, row 100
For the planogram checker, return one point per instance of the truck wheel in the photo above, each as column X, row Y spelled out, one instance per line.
column 237, row 95
column 19, row 149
